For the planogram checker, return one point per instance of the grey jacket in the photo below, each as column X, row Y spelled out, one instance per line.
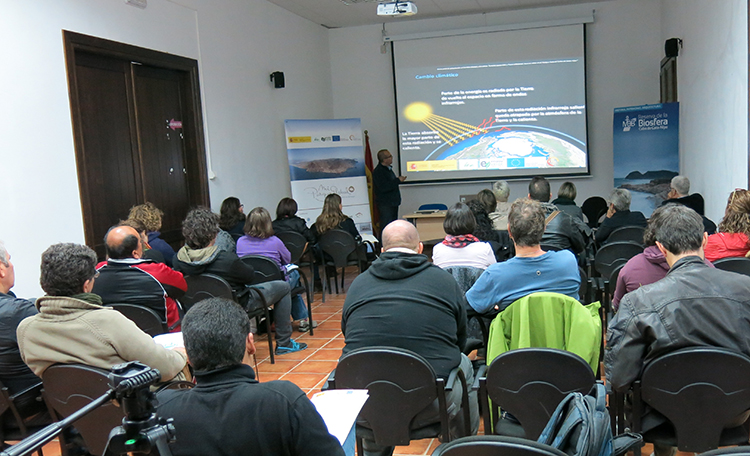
column 694, row 305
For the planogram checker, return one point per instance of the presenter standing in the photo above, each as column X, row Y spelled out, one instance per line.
column 385, row 188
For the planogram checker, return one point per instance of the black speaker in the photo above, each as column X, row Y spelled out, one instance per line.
column 672, row 47
column 278, row 79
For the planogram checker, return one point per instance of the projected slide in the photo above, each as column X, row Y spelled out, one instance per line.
column 480, row 118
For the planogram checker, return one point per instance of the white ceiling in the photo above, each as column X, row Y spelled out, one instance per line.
column 347, row 13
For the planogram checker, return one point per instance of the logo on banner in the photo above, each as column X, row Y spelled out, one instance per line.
column 628, row 123
column 320, row 192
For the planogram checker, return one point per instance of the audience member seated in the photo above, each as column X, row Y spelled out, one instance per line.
column 694, row 305
column 460, row 247
column 148, row 252
column 499, row 216
column 229, row 412
column 480, row 207
column 331, row 218
column 561, row 232
column 404, row 301
column 14, row 373
column 287, row 220
column 618, row 215
column 150, row 216
column 72, row 326
column 644, row 268
column 200, row 255
column 531, row 270
column 732, row 238
column 679, row 192
column 259, row 240
column 231, row 216
column 565, row 201
column 127, row 278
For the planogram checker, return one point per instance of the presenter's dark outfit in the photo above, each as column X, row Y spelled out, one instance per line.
column 387, row 195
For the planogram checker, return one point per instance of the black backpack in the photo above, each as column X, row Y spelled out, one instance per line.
column 580, row 426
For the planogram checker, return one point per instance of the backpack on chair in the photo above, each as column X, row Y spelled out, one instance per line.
column 580, row 426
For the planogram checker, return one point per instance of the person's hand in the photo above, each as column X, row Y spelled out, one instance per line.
column 610, row 211
column 402, row 178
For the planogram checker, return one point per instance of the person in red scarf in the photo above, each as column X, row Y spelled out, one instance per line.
column 460, row 247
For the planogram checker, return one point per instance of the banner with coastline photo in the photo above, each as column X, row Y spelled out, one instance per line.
column 646, row 152
column 327, row 156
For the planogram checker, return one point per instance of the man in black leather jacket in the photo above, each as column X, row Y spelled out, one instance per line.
column 562, row 231
column 694, row 305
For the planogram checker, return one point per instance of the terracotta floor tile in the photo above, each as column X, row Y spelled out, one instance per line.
column 323, row 334
column 417, row 447
column 332, row 324
column 315, row 367
column 326, row 354
column 312, row 343
column 281, row 366
column 336, row 343
column 305, row 381
column 268, row 377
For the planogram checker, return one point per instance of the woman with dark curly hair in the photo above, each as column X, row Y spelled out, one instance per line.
column 734, row 229
column 231, row 216
column 150, row 216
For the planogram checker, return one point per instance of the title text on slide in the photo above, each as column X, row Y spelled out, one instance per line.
column 505, row 115
column 459, row 97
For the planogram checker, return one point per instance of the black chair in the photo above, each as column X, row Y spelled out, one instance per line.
column 267, row 270
column 608, row 258
column 401, row 384
column 529, row 383
column 627, row 233
column 298, row 248
column 339, row 250
column 146, row 319
column 69, row 387
column 584, row 290
column 495, row 445
column 477, row 325
column 738, row 265
column 701, row 391
column 22, row 426
column 592, row 208
column 731, row 451
column 204, row 286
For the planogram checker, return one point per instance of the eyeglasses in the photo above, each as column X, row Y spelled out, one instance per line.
column 96, row 276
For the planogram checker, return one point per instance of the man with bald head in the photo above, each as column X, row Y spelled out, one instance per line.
column 405, row 301
column 128, row 278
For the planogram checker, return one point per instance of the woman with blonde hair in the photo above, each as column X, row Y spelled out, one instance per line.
column 331, row 218
column 732, row 240
column 150, row 216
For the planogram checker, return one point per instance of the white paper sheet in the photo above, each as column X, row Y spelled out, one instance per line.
column 339, row 409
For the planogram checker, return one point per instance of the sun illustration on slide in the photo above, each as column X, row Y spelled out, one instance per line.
column 449, row 130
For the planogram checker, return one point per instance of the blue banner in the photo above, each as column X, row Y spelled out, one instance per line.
column 646, row 152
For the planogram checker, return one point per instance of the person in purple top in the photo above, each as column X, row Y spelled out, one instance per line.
column 259, row 239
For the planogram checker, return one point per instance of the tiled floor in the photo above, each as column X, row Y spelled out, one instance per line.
column 309, row 368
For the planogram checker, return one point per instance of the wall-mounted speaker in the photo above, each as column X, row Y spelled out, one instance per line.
column 672, row 47
column 277, row 77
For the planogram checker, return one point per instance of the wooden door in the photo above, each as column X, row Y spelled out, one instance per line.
column 138, row 133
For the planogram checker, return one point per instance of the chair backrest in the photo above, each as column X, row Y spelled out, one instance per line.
column 592, row 209
column 69, row 387
column 338, row 244
column 295, row 242
column 236, row 236
column 530, row 382
column 400, row 384
column 465, row 275
column 146, row 319
column 433, row 207
column 701, row 390
column 627, row 233
column 495, row 445
column 583, row 289
column 611, row 255
column 738, row 265
column 266, row 269
column 204, row 286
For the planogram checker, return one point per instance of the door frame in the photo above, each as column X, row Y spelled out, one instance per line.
column 195, row 148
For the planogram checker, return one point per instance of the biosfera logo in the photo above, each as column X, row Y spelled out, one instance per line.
column 628, row 123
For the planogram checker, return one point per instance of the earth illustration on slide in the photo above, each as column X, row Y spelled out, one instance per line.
column 516, row 142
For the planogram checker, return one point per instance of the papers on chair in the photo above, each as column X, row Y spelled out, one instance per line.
column 170, row 341
column 369, row 238
column 290, row 267
column 339, row 409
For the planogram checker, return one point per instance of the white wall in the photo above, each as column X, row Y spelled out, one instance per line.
column 238, row 44
column 712, row 89
column 623, row 48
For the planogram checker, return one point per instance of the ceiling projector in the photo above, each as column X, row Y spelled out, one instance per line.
column 397, row 9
